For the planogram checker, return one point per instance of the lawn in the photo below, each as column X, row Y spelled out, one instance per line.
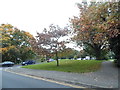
column 76, row 66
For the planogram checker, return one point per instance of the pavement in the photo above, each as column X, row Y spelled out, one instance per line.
column 106, row 77
column 12, row 80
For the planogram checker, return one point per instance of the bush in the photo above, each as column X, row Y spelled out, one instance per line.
column 117, row 63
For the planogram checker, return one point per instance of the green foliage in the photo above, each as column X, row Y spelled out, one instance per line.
column 67, row 53
column 15, row 44
column 75, row 57
column 92, row 52
column 115, row 46
column 110, row 55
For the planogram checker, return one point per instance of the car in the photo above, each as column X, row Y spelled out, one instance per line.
column 8, row 64
column 28, row 62
column 50, row 60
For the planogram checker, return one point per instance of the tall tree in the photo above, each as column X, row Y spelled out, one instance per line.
column 50, row 39
column 15, row 43
column 96, row 24
column 114, row 30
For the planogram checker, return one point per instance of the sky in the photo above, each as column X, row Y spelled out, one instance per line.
column 35, row 15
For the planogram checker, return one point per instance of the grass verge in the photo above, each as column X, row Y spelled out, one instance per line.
column 76, row 66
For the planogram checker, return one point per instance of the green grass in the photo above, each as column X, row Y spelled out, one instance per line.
column 76, row 66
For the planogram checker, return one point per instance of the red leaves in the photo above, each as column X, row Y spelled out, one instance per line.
column 95, row 23
column 49, row 41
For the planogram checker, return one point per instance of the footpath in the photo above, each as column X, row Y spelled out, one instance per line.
column 106, row 77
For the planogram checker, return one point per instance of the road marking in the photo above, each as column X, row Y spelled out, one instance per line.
column 62, row 83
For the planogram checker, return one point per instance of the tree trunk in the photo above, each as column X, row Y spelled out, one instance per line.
column 98, row 52
column 98, row 55
column 57, row 59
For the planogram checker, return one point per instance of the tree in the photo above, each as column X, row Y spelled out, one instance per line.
column 96, row 24
column 15, row 44
column 50, row 40
column 92, row 53
column 67, row 53
column 115, row 46
column 114, row 30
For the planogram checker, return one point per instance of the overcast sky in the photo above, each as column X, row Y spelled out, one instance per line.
column 34, row 15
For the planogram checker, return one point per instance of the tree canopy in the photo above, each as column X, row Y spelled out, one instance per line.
column 96, row 24
column 49, row 41
column 15, row 44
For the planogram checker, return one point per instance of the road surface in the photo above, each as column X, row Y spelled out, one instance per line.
column 10, row 80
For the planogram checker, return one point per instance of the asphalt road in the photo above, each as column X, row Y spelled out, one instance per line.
column 10, row 80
